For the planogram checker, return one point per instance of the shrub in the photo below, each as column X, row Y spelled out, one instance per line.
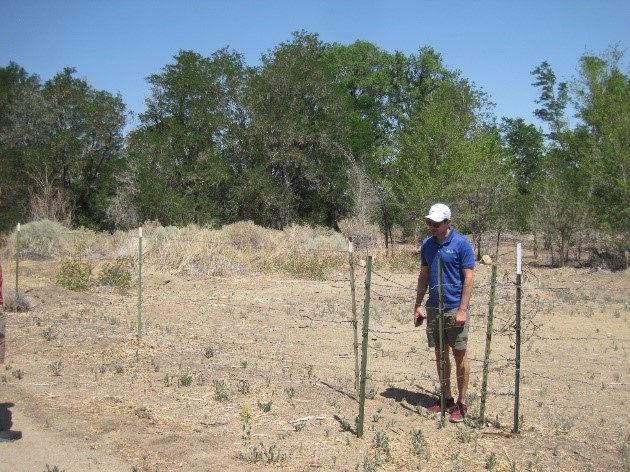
column 75, row 275
column 40, row 239
column 116, row 274
column 246, row 235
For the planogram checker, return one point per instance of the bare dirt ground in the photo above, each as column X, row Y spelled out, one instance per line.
column 257, row 373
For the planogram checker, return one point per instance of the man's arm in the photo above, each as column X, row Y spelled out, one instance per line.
column 423, row 283
column 462, row 311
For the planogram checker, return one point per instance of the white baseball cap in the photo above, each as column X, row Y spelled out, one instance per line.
column 439, row 212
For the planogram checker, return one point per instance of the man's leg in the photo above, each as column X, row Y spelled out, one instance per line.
column 447, row 370
column 462, row 369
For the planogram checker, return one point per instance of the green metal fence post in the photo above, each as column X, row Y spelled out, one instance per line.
column 139, row 282
column 17, row 269
column 365, row 333
column 486, row 359
column 355, row 323
column 441, row 338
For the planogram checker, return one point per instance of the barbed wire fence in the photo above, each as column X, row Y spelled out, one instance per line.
column 391, row 334
column 539, row 299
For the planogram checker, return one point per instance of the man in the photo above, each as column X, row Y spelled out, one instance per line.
column 458, row 262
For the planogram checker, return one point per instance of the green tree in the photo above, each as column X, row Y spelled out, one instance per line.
column 300, row 123
column 554, row 98
column 14, row 183
column 602, row 95
column 559, row 209
column 69, row 137
column 483, row 186
column 185, row 143
column 524, row 145
column 433, row 150
column 385, row 90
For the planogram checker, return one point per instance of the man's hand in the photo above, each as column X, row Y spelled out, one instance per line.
column 460, row 317
column 418, row 316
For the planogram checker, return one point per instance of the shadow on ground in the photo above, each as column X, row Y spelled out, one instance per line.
column 6, row 422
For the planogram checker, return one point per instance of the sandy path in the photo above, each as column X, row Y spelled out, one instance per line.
column 40, row 446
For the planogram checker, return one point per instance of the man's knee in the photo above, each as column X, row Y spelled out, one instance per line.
column 459, row 354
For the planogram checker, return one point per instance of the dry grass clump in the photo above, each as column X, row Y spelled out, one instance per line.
column 189, row 251
column 45, row 239
column 239, row 249
column 245, row 235
column 309, row 252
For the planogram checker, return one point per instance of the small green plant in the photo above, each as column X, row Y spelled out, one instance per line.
column 18, row 374
column 299, row 426
column 243, row 386
column 466, row 435
column 491, row 461
column 244, row 364
column 265, row 407
column 54, row 469
column 371, row 392
column 456, row 465
column 49, row 334
column 381, row 444
column 246, row 423
column 185, row 381
column 75, row 275
column 220, row 394
column 419, row 444
column 345, row 425
column 563, row 425
column 369, row 466
column 209, row 352
column 290, row 391
column 268, row 455
column 56, row 368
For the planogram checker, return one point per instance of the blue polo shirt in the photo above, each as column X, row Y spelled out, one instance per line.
column 457, row 254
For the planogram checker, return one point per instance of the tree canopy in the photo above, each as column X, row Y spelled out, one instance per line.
column 315, row 134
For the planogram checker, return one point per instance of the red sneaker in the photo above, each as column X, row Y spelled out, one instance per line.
column 437, row 406
column 458, row 413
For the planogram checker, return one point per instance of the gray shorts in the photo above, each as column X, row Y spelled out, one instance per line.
column 454, row 336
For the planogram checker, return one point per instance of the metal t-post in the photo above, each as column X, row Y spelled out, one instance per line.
column 139, row 282
column 517, row 381
column 17, row 269
column 441, row 337
column 354, row 317
column 365, row 333
column 486, row 359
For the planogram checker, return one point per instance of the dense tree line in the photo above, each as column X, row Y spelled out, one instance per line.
column 319, row 133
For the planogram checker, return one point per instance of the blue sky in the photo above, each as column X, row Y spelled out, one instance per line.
column 116, row 44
